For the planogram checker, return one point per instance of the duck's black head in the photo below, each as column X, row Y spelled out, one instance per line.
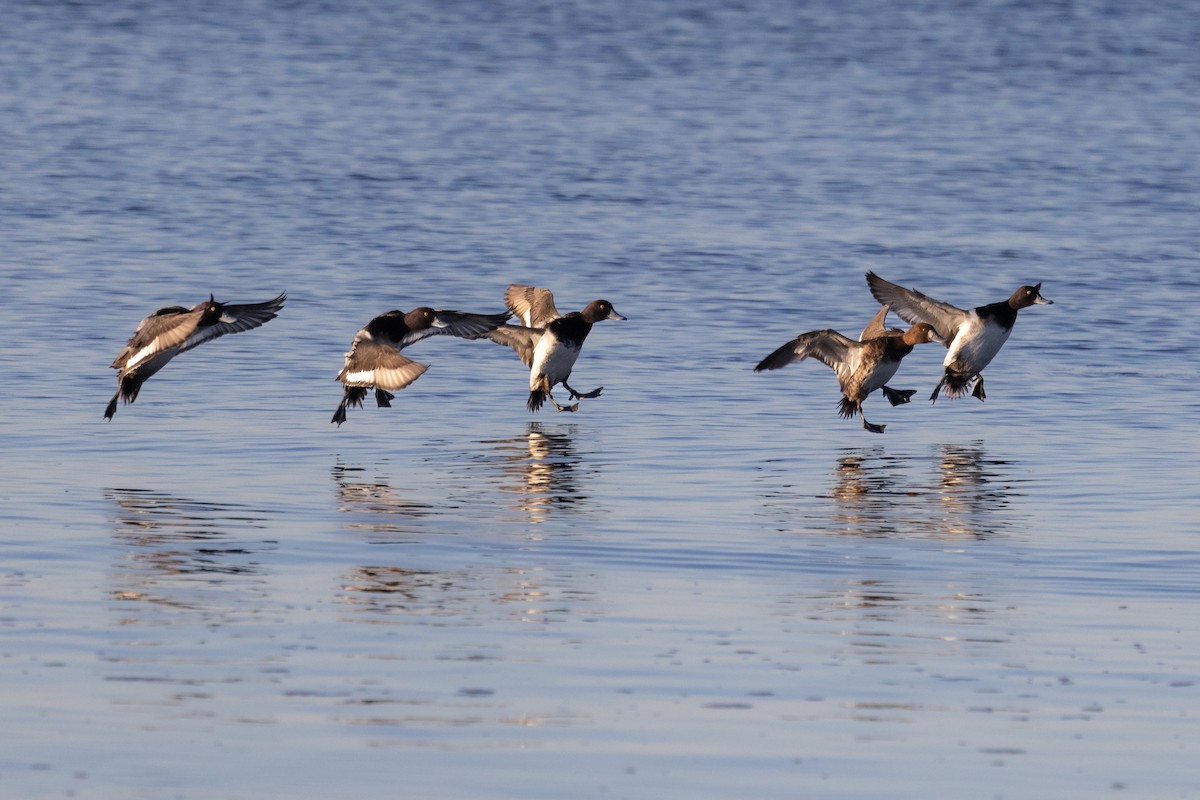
column 1028, row 296
column 420, row 319
column 598, row 310
column 210, row 312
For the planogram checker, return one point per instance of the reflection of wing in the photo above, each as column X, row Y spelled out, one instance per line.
column 913, row 307
column 371, row 363
column 523, row 340
column 875, row 328
column 827, row 346
column 532, row 305
column 466, row 325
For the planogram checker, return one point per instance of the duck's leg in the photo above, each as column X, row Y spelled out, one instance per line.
column 383, row 398
column 112, row 406
column 898, row 397
column 870, row 426
column 339, row 416
column 978, row 390
column 937, row 389
column 577, row 396
column 573, row 407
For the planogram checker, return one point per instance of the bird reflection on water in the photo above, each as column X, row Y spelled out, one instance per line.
column 542, row 472
column 537, row 474
column 185, row 553
column 970, row 493
column 374, row 505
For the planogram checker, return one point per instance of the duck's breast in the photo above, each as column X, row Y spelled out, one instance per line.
column 553, row 359
column 976, row 344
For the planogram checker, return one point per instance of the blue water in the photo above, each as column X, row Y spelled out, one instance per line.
column 704, row 583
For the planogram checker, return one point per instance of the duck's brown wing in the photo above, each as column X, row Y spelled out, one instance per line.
column 522, row 339
column 827, row 346
column 533, row 305
column 877, row 326
column 913, row 306
column 372, row 363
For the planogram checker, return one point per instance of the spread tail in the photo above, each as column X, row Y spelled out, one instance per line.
column 849, row 409
column 537, row 398
column 953, row 385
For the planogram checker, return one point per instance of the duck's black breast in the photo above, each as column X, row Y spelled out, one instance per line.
column 570, row 330
column 895, row 348
column 390, row 326
column 1000, row 314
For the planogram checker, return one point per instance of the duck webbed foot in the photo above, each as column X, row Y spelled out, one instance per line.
column 383, row 398
column 584, row 395
column 871, row 426
column 898, row 397
column 978, row 390
column 559, row 407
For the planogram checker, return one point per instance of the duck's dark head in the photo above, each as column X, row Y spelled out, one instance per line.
column 210, row 312
column 1028, row 296
column 598, row 310
column 422, row 318
column 921, row 333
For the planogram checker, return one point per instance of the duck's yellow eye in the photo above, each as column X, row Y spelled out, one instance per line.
column 212, row 308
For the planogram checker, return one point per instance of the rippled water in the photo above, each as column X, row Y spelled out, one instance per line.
column 703, row 584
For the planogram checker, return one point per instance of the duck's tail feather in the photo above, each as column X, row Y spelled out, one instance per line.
column 849, row 409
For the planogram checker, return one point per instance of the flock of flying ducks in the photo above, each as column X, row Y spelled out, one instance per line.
column 549, row 343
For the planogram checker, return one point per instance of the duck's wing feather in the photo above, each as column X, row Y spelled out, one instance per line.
column 827, row 346
column 166, row 327
column 877, row 326
column 913, row 306
column 522, row 339
column 178, row 329
column 466, row 325
column 372, row 363
column 532, row 305
column 234, row 319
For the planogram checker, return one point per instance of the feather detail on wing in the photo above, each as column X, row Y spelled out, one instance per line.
column 178, row 329
column 827, row 346
column 235, row 319
column 913, row 306
column 523, row 340
column 371, row 363
column 877, row 326
column 533, row 305
column 244, row 317
column 164, row 329
column 468, row 326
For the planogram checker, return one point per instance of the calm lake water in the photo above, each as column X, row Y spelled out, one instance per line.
column 704, row 583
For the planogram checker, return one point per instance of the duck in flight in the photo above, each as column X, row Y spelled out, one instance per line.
column 862, row 366
column 173, row 330
column 374, row 360
column 549, row 342
column 973, row 338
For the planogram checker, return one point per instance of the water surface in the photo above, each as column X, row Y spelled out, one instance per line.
column 702, row 584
